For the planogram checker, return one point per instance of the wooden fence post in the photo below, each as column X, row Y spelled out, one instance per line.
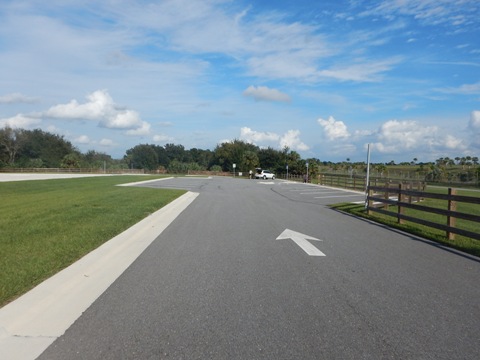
column 452, row 206
column 386, row 195
column 400, row 199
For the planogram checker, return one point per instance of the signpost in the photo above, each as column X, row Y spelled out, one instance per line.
column 234, row 166
column 367, row 180
column 307, row 172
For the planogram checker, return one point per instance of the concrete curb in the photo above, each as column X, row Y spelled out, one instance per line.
column 31, row 323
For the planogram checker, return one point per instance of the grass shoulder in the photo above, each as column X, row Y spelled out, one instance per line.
column 47, row 225
column 470, row 246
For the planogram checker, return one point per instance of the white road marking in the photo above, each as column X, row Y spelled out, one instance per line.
column 301, row 240
column 326, row 197
column 319, row 192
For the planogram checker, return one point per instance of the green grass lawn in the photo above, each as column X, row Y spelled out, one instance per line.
column 463, row 243
column 47, row 225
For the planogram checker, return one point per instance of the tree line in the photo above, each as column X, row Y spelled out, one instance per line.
column 20, row 148
column 245, row 156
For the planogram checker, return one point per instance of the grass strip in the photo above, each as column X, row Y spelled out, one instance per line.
column 47, row 225
column 468, row 245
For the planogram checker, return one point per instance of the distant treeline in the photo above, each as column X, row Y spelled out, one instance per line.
column 20, row 148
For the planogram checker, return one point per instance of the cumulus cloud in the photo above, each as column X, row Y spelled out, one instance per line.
column 100, row 107
column 406, row 136
column 333, row 129
column 16, row 98
column 20, row 121
column 474, row 127
column 107, row 142
column 82, row 139
column 292, row 140
column 256, row 137
column 263, row 93
column 395, row 136
column 160, row 138
column 474, row 123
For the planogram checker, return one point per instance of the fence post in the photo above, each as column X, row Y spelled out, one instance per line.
column 386, row 194
column 452, row 206
column 400, row 199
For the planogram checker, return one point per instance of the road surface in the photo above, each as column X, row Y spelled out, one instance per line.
column 230, row 279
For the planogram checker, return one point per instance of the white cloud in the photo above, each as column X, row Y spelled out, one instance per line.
column 142, row 129
column 16, row 98
column 20, row 121
column 474, row 123
column 395, row 136
column 162, row 138
column 334, row 129
column 292, row 140
column 368, row 71
column 100, row 107
column 409, row 136
column 465, row 89
column 262, row 139
column 123, row 119
column 430, row 12
column 474, row 127
column 255, row 137
column 107, row 142
column 266, row 94
column 82, row 139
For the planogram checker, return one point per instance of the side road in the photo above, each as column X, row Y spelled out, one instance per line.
column 31, row 323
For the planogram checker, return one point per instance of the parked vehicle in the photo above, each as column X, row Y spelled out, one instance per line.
column 264, row 174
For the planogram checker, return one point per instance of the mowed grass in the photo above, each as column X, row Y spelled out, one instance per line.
column 47, row 225
column 462, row 243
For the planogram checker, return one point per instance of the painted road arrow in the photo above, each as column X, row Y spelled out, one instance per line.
column 302, row 241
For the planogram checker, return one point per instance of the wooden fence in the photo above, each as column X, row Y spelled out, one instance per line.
column 406, row 198
column 352, row 182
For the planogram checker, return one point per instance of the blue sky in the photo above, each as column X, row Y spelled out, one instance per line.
column 324, row 78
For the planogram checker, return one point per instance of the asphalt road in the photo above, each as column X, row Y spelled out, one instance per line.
column 217, row 284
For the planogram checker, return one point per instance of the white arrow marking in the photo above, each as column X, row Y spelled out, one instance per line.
column 302, row 241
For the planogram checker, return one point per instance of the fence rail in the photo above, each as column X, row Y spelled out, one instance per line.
column 405, row 198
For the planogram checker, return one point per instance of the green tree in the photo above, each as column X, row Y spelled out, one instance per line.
column 50, row 148
column 19, row 147
column 229, row 153
column 96, row 160
column 10, row 144
column 249, row 160
column 142, row 156
column 175, row 152
column 70, row 161
column 272, row 159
